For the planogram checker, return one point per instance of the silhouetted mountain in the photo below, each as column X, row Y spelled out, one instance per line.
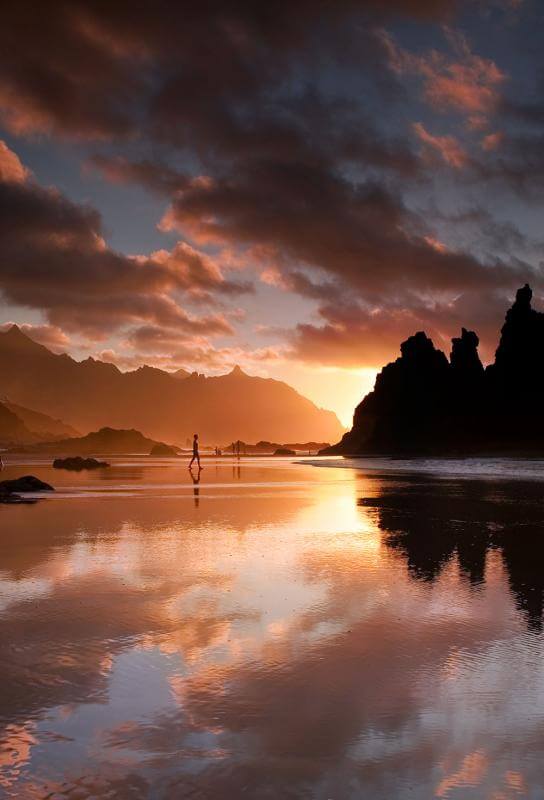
column 42, row 424
column 91, row 394
column 12, row 428
column 106, row 441
column 180, row 374
column 20, row 425
column 423, row 403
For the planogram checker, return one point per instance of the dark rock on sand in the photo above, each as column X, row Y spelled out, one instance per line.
column 77, row 463
column 28, row 483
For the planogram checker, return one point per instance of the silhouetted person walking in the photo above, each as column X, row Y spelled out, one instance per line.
column 196, row 454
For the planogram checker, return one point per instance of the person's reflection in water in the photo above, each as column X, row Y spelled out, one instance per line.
column 196, row 481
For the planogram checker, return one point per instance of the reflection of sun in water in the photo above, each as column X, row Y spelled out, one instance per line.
column 342, row 524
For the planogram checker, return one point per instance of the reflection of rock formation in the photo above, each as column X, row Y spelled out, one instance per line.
column 424, row 403
column 523, row 554
column 431, row 522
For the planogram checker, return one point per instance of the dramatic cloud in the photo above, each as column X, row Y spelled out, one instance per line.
column 85, row 70
column 11, row 169
column 447, row 147
column 169, row 349
column 466, row 83
column 360, row 233
column 55, row 259
column 354, row 335
column 304, row 148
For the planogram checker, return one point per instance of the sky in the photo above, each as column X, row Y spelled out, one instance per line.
column 291, row 187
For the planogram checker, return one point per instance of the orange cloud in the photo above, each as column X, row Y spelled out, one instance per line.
column 11, row 168
column 436, row 244
column 447, row 147
column 492, row 141
column 468, row 83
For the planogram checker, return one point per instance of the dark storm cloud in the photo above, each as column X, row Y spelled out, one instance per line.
column 361, row 233
column 83, row 68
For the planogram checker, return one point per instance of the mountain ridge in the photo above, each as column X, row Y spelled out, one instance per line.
column 93, row 394
column 20, row 425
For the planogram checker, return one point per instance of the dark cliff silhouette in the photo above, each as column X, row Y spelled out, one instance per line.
column 423, row 403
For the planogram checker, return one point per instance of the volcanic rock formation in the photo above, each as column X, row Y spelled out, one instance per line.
column 424, row 404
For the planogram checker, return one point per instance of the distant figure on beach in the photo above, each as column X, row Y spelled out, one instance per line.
column 196, row 454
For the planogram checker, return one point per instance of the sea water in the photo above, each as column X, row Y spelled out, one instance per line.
column 270, row 629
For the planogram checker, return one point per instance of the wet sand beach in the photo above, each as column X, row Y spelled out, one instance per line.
column 280, row 629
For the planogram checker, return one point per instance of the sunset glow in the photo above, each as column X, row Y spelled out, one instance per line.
column 323, row 203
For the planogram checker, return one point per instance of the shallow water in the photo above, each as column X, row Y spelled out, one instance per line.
column 369, row 630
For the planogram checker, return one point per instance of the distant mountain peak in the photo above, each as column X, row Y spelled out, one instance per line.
column 91, row 394
column 14, row 337
column 15, row 332
column 180, row 374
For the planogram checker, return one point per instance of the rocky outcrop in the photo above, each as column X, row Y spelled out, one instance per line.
column 161, row 450
column 424, row 403
column 265, row 447
column 77, row 463
column 106, row 441
column 284, row 451
column 28, row 483
column 464, row 358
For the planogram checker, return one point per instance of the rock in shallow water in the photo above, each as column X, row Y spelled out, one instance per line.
column 78, row 463
column 9, row 498
column 28, row 483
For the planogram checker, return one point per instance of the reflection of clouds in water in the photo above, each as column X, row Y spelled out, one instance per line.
column 290, row 651
column 15, row 751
